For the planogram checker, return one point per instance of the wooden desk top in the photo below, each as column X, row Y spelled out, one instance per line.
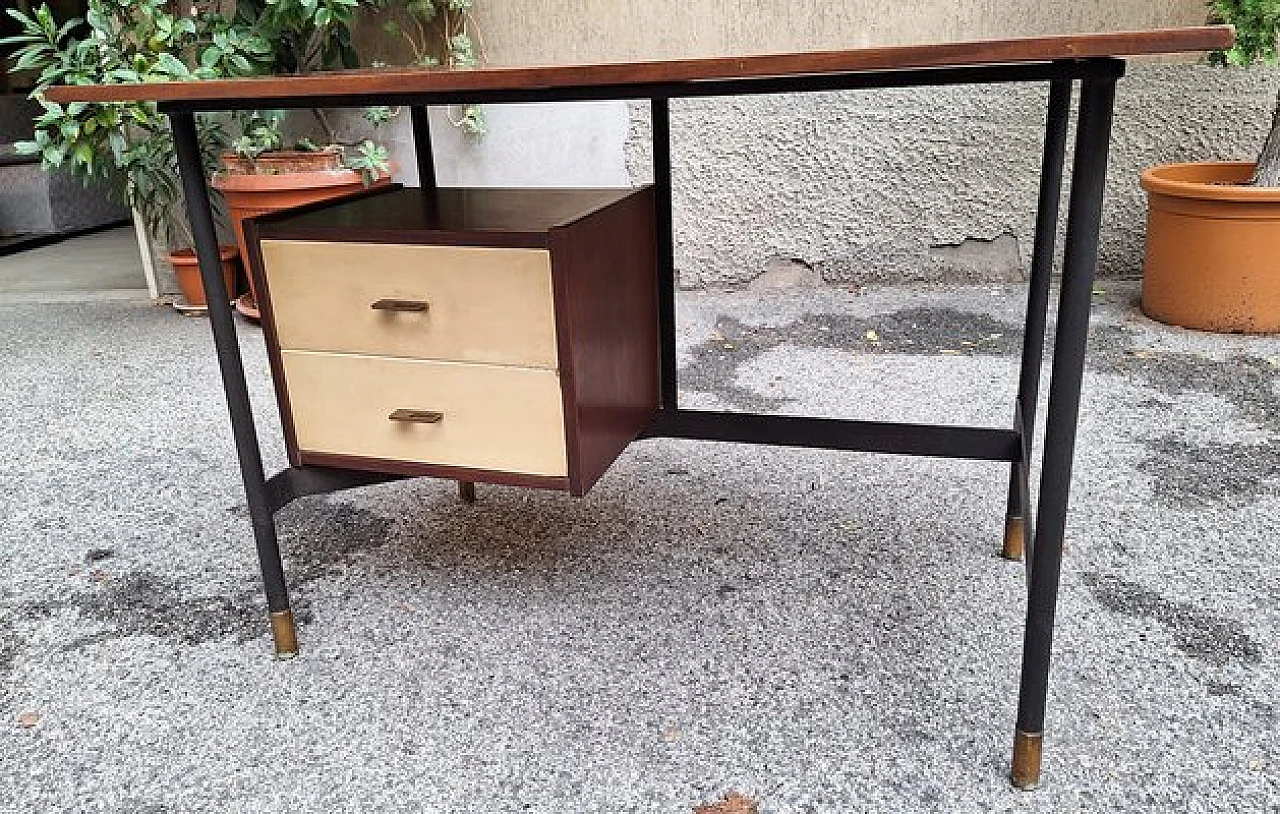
column 620, row 75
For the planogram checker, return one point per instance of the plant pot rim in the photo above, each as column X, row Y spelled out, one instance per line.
column 1207, row 181
column 269, row 154
column 231, row 182
column 225, row 253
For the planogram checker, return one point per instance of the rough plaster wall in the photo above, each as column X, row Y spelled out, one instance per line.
column 559, row 31
column 866, row 186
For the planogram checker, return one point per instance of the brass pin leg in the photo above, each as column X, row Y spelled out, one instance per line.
column 284, row 634
column 1013, row 537
column 467, row 491
column 1027, row 749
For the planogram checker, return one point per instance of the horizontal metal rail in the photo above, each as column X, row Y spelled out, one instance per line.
column 805, row 83
column 973, row 443
column 288, row 485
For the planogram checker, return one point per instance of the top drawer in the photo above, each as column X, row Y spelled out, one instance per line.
column 472, row 304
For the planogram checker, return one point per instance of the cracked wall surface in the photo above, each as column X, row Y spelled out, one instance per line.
column 932, row 184
column 869, row 186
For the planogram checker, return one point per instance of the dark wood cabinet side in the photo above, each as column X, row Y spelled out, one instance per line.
column 607, row 321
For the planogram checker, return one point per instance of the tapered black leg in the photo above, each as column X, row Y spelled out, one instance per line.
column 233, row 382
column 422, row 146
column 1093, row 134
column 1055, row 147
column 661, row 109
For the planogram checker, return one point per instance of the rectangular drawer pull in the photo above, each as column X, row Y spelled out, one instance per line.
column 417, row 416
column 407, row 306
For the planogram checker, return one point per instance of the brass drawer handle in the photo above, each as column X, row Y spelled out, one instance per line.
column 417, row 416
column 404, row 306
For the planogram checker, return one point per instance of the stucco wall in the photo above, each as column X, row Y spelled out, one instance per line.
column 559, row 31
column 868, row 186
column 906, row 184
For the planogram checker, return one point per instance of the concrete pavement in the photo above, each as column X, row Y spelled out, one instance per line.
column 824, row 632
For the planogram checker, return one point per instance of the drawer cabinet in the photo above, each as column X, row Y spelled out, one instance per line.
column 507, row 336
column 436, row 302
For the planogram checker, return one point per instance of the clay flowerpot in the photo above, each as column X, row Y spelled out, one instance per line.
column 1213, row 249
column 186, row 267
column 276, row 181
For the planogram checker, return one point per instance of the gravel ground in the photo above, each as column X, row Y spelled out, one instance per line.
column 824, row 632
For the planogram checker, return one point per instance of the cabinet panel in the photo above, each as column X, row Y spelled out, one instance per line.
column 451, row 414
column 468, row 304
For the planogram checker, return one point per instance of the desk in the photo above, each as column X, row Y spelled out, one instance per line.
column 1062, row 61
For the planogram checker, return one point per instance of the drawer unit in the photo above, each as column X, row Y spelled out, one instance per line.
column 507, row 336
column 480, row 416
column 420, row 302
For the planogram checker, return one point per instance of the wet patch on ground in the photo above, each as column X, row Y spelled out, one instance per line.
column 10, row 646
column 1210, row 473
column 1182, row 469
column 318, row 542
column 1247, row 382
column 1200, row 634
column 916, row 331
column 141, row 603
column 1222, row 688
column 323, row 537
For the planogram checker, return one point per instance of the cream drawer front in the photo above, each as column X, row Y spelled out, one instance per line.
column 506, row 419
column 481, row 304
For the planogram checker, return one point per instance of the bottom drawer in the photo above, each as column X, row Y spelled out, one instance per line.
column 507, row 419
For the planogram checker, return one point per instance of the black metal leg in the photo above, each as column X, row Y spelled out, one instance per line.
column 661, row 109
column 233, row 382
column 1093, row 134
column 1055, row 148
column 467, row 491
column 422, row 146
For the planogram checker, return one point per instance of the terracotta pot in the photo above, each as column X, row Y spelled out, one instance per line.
column 282, row 161
column 1213, row 249
column 252, row 194
column 187, row 269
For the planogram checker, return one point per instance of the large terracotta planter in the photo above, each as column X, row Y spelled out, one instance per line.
column 1213, row 249
column 278, row 181
column 186, row 268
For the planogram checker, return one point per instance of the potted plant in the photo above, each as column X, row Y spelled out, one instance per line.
column 154, row 190
column 1213, row 228
column 128, row 146
column 259, row 175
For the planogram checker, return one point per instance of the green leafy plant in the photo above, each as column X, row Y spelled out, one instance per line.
column 369, row 160
column 1257, row 24
column 260, row 132
column 438, row 33
column 314, row 35
column 306, row 35
column 127, row 146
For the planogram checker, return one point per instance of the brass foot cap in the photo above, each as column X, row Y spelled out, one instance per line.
column 1014, row 534
column 1027, row 750
column 284, row 634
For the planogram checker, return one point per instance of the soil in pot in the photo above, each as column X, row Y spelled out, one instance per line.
column 186, row 268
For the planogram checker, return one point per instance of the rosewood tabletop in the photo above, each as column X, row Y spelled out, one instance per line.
column 621, row 76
